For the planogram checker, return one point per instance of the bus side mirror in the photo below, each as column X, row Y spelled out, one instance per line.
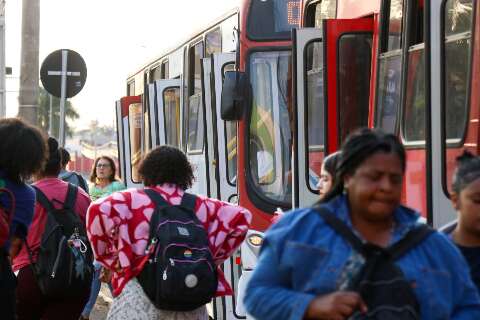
column 234, row 95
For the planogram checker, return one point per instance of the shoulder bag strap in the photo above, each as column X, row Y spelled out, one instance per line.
column 43, row 200
column 341, row 228
column 411, row 239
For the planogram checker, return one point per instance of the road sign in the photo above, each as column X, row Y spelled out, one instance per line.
column 63, row 74
column 52, row 71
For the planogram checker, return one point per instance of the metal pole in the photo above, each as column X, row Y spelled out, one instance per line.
column 63, row 97
column 50, row 121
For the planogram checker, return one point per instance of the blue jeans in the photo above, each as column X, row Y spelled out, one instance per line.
column 94, row 290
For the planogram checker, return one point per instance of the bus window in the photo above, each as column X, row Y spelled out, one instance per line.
column 317, row 11
column 195, row 124
column 390, row 67
column 164, row 71
column 414, row 115
column 147, row 143
column 458, row 26
column 171, row 109
column 231, row 141
column 270, row 127
column 195, row 136
column 135, row 128
column 131, row 88
column 155, row 74
column 273, row 19
column 354, row 61
column 213, row 42
column 315, row 111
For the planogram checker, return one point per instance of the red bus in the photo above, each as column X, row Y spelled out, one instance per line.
column 406, row 66
column 176, row 99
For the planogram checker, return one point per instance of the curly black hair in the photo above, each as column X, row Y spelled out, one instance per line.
column 23, row 149
column 166, row 164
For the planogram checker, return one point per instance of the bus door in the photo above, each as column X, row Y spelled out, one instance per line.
column 130, row 132
column 332, row 86
column 454, row 95
column 224, row 165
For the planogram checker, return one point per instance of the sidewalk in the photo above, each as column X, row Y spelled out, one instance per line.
column 102, row 305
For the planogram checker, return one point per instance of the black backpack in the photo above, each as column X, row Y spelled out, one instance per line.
column 64, row 266
column 180, row 274
column 381, row 283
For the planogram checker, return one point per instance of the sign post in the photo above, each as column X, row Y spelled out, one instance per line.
column 63, row 74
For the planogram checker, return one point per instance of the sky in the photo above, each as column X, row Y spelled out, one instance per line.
column 115, row 38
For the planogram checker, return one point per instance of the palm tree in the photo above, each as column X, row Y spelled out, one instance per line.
column 44, row 113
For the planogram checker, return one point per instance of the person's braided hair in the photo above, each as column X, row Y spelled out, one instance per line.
column 359, row 146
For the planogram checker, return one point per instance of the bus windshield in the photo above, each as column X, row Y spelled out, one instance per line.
column 270, row 135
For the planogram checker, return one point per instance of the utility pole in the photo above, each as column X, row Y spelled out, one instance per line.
column 29, row 62
column 3, row 107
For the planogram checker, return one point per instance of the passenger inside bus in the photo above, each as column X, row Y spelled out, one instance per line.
column 327, row 174
column 466, row 200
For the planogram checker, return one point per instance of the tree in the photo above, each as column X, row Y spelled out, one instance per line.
column 44, row 113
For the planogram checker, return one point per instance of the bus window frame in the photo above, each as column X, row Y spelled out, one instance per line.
column 218, row 29
column 130, row 139
column 383, row 54
column 233, row 184
column 337, row 70
column 186, row 94
column 260, row 201
column 458, row 142
column 409, row 16
column 320, row 148
column 453, row 144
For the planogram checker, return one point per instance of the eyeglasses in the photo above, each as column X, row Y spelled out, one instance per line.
column 103, row 165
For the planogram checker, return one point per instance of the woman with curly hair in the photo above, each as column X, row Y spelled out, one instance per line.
column 103, row 180
column 119, row 231
column 23, row 152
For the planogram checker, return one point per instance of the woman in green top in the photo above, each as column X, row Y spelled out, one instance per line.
column 103, row 181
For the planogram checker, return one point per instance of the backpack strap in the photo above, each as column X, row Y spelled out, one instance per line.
column 71, row 197
column 43, row 200
column 188, row 201
column 411, row 239
column 81, row 182
column 341, row 228
column 156, row 198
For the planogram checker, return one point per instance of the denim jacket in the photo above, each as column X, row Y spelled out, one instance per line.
column 303, row 257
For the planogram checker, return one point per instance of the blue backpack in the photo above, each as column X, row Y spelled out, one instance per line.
column 180, row 274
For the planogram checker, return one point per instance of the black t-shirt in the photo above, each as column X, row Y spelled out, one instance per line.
column 472, row 255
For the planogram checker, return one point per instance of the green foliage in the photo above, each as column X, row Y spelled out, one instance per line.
column 44, row 113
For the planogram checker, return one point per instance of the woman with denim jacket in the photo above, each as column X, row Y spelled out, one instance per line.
column 305, row 267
